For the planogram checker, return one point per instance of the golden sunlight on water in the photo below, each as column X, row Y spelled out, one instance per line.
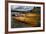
column 29, row 18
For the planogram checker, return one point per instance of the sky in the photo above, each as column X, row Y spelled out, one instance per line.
column 21, row 8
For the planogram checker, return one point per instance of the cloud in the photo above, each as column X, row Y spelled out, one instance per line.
column 21, row 8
